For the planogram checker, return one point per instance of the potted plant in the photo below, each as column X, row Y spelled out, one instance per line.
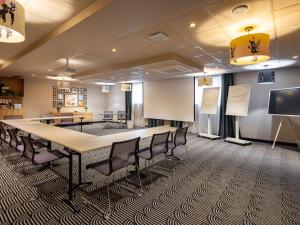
column 58, row 107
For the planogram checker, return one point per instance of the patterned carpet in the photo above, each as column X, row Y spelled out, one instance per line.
column 220, row 183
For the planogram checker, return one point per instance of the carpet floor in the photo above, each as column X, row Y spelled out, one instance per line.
column 219, row 183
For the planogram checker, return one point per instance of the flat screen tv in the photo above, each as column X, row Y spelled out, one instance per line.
column 285, row 102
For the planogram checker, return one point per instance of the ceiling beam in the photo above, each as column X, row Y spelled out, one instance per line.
column 79, row 17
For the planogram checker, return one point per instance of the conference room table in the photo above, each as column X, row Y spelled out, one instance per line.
column 48, row 119
column 77, row 143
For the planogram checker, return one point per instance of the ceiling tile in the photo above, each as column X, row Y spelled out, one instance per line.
column 222, row 13
column 281, row 4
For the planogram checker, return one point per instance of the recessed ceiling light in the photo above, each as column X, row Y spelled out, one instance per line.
column 192, row 25
column 64, row 78
column 240, row 9
column 295, row 57
column 114, row 50
column 104, row 83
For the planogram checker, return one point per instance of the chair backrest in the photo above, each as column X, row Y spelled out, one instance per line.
column 121, row 115
column 2, row 131
column 28, row 147
column 123, row 154
column 180, row 136
column 66, row 120
column 159, row 144
column 12, row 117
column 108, row 115
column 13, row 134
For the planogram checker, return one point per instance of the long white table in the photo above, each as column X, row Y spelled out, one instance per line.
column 48, row 119
column 78, row 143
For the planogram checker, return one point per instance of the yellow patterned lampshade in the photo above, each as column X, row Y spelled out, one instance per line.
column 12, row 21
column 126, row 87
column 250, row 49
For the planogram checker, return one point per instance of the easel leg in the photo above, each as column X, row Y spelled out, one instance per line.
column 277, row 133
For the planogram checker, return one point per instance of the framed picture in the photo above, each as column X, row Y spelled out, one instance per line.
column 80, row 98
column 71, row 100
column 60, row 96
column 81, row 103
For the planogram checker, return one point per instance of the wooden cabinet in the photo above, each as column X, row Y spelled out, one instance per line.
column 15, row 85
column 88, row 116
column 11, row 95
column 12, row 112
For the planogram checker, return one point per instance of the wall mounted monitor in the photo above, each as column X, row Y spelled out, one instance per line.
column 238, row 100
column 285, row 102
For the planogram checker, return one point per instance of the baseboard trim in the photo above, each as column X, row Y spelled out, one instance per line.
column 270, row 142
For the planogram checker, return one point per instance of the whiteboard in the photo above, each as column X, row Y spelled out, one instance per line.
column 238, row 100
column 171, row 99
column 210, row 99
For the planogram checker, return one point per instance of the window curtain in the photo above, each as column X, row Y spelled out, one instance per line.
column 138, row 105
column 128, row 104
column 178, row 124
column 155, row 122
column 226, row 122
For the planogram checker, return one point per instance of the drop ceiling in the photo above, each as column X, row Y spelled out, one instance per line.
column 128, row 25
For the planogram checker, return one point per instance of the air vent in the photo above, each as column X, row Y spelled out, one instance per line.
column 158, row 37
column 176, row 69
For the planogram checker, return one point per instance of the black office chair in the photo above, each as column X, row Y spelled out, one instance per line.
column 122, row 154
column 158, row 146
column 42, row 158
column 179, row 140
column 121, row 117
column 17, row 143
column 4, row 136
column 108, row 117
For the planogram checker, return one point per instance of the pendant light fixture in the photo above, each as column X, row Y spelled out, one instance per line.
column 12, row 21
column 250, row 49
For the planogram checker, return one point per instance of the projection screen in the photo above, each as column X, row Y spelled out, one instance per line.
column 171, row 99
column 238, row 100
column 210, row 99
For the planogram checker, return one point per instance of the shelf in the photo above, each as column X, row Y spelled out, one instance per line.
column 3, row 96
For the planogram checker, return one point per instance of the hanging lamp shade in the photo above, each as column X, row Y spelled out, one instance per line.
column 250, row 49
column 12, row 21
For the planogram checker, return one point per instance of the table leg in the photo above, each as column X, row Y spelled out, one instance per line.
column 81, row 124
column 49, row 145
column 70, row 201
column 80, row 183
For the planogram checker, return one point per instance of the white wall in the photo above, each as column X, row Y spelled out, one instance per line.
column 115, row 99
column 38, row 95
column 258, row 124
